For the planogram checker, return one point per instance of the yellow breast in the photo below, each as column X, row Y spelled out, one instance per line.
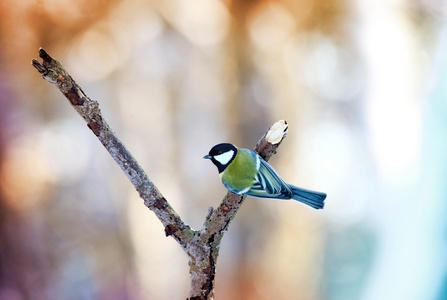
column 241, row 172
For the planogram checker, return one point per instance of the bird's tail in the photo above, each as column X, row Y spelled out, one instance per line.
column 311, row 198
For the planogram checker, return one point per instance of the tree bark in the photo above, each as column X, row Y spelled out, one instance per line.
column 201, row 246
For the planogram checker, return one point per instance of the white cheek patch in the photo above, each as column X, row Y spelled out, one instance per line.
column 225, row 157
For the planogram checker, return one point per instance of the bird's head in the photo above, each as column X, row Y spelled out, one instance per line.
column 222, row 155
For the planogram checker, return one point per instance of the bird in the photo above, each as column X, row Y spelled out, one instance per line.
column 244, row 172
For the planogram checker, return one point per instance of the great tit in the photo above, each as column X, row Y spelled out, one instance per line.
column 244, row 172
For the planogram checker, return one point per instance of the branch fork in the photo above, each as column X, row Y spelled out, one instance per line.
column 201, row 246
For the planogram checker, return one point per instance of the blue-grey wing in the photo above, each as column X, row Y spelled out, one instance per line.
column 267, row 183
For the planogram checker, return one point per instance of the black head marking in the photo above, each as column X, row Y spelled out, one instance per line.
column 218, row 152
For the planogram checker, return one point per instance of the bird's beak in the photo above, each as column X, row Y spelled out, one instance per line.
column 207, row 156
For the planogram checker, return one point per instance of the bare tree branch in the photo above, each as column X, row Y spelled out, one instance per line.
column 54, row 72
column 202, row 247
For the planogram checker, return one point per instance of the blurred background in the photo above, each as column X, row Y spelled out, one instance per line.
column 362, row 84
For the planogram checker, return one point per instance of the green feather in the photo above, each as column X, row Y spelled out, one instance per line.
column 240, row 173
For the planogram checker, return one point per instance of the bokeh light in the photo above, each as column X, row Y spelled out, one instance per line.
column 362, row 85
